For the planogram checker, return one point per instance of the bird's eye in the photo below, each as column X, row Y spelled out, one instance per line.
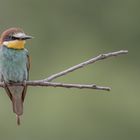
column 10, row 37
column 13, row 38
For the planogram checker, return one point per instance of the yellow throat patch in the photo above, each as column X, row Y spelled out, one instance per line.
column 15, row 44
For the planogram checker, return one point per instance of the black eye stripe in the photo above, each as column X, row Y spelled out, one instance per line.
column 13, row 38
column 10, row 38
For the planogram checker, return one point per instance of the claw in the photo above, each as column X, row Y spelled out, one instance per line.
column 24, row 83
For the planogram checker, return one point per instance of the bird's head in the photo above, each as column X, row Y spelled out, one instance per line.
column 14, row 38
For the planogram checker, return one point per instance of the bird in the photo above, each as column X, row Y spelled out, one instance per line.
column 14, row 66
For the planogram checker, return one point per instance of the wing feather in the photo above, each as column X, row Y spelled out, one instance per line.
column 28, row 68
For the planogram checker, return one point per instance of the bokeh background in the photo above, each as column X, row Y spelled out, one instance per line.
column 66, row 33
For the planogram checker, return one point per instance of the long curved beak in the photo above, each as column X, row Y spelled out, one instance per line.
column 22, row 36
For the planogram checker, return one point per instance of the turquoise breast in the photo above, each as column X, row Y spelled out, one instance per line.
column 13, row 64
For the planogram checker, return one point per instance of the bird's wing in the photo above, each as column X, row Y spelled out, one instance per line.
column 28, row 68
column 28, row 65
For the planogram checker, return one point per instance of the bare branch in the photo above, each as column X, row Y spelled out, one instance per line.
column 83, row 64
column 52, row 84
column 46, row 82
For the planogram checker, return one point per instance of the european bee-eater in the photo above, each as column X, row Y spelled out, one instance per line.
column 14, row 66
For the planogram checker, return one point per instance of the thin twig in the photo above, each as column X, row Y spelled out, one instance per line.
column 52, row 84
column 83, row 64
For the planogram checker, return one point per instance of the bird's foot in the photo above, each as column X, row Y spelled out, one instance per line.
column 24, row 83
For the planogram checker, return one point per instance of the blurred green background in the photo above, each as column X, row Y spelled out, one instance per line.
column 66, row 33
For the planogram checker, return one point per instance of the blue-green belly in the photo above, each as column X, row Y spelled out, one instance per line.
column 13, row 64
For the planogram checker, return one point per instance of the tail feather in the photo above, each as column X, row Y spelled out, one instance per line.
column 17, row 95
column 18, row 120
column 17, row 105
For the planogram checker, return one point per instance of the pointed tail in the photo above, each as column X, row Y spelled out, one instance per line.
column 17, row 95
column 17, row 104
column 18, row 120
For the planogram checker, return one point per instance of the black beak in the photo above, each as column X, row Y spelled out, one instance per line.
column 22, row 36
